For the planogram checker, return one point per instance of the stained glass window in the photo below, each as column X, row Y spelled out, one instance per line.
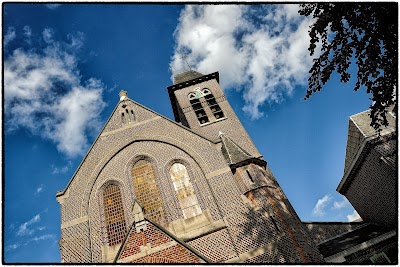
column 147, row 192
column 114, row 212
column 184, row 191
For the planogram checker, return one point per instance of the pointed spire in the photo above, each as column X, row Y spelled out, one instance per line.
column 232, row 152
column 123, row 95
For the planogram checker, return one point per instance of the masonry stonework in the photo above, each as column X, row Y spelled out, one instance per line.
column 242, row 214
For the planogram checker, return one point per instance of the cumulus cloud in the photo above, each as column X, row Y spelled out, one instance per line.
column 260, row 49
column 10, row 35
column 24, row 228
column 43, row 93
column 354, row 216
column 319, row 209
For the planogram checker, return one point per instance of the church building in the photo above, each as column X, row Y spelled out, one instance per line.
column 192, row 190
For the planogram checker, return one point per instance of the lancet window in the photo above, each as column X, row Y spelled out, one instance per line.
column 114, row 213
column 147, row 192
column 184, row 191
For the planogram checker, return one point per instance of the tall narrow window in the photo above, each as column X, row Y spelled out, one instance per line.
column 184, row 191
column 132, row 115
column 212, row 103
column 127, row 115
column 123, row 118
column 114, row 212
column 147, row 192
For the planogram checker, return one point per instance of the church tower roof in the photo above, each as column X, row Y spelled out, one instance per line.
column 186, row 76
column 232, row 152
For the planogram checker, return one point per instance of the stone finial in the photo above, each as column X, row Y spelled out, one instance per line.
column 123, row 95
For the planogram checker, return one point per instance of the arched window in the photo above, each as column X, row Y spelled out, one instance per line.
column 147, row 192
column 212, row 103
column 197, row 107
column 184, row 191
column 114, row 212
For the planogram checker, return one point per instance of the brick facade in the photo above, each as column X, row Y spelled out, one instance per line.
column 244, row 215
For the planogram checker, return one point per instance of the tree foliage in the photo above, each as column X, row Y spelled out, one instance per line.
column 365, row 33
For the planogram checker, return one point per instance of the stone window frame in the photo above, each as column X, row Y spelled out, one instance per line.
column 193, row 180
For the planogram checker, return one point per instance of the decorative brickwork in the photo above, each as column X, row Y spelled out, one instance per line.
column 75, row 244
column 203, row 200
column 153, row 245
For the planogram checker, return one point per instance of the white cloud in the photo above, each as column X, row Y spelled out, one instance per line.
column 10, row 35
column 48, row 35
column 24, row 228
column 354, row 216
column 27, row 31
column 13, row 246
column 52, row 6
column 342, row 204
column 261, row 49
column 61, row 170
column 44, row 93
column 319, row 209
column 42, row 237
column 40, row 189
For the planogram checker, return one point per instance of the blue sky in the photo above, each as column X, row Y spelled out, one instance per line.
column 65, row 64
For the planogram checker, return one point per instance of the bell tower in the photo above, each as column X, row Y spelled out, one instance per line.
column 199, row 103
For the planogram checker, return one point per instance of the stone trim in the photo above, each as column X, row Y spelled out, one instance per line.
column 61, row 196
column 340, row 257
column 218, row 172
column 74, row 222
column 129, row 126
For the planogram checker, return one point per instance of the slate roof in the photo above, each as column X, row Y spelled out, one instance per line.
column 186, row 76
column 232, row 152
